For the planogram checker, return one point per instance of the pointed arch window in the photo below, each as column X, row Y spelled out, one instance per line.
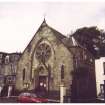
column 24, row 74
column 104, row 67
column 62, row 72
column 43, row 52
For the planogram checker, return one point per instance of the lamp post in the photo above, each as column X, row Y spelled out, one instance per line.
column 26, row 85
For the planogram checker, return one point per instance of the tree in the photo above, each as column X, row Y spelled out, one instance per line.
column 91, row 38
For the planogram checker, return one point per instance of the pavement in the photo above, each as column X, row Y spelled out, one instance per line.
column 12, row 99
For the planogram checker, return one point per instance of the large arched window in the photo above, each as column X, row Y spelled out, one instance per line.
column 23, row 74
column 43, row 52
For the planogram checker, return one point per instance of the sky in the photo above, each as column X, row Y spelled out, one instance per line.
column 19, row 20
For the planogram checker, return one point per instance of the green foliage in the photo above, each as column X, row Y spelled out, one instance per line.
column 91, row 38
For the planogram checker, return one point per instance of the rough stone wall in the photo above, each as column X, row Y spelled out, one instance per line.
column 63, row 57
column 7, row 69
column 60, row 55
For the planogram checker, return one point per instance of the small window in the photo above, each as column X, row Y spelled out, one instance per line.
column 13, row 69
column 84, row 55
column 13, row 79
column 0, row 61
column 6, row 59
column 104, row 67
column 62, row 72
column 101, row 88
column 0, row 55
column 91, row 60
column 9, row 78
column 23, row 74
column 81, row 55
column 76, row 62
column 1, row 79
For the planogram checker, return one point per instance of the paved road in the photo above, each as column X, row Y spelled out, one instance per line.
column 13, row 99
column 8, row 100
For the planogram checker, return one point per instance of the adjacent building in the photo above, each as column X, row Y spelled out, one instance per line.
column 100, row 76
column 8, row 68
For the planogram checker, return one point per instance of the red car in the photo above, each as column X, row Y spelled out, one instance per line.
column 31, row 98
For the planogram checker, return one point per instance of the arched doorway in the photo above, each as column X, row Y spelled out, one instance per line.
column 41, row 80
column 42, row 84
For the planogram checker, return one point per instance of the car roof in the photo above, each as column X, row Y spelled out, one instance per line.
column 27, row 94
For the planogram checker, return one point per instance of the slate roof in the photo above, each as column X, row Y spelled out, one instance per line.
column 58, row 35
column 67, row 42
column 70, row 43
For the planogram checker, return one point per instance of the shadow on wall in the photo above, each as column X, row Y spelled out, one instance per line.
column 4, row 91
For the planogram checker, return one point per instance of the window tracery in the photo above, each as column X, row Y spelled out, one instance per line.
column 43, row 52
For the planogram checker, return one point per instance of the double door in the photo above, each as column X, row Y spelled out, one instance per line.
column 42, row 83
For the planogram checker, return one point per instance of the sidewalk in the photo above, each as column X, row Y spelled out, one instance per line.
column 12, row 99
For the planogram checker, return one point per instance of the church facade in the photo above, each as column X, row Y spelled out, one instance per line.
column 51, row 59
column 43, row 61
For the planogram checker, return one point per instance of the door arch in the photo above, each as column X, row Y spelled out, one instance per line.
column 41, row 79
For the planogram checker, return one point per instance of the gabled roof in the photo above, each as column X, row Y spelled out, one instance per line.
column 62, row 38
column 76, row 45
column 67, row 42
column 58, row 35
column 15, row 53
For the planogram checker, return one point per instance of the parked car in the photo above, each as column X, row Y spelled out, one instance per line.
column 31, row 98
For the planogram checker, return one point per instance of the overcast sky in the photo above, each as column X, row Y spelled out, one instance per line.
column 20, row 20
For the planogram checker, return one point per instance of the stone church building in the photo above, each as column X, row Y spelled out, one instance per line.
column 52, row 59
